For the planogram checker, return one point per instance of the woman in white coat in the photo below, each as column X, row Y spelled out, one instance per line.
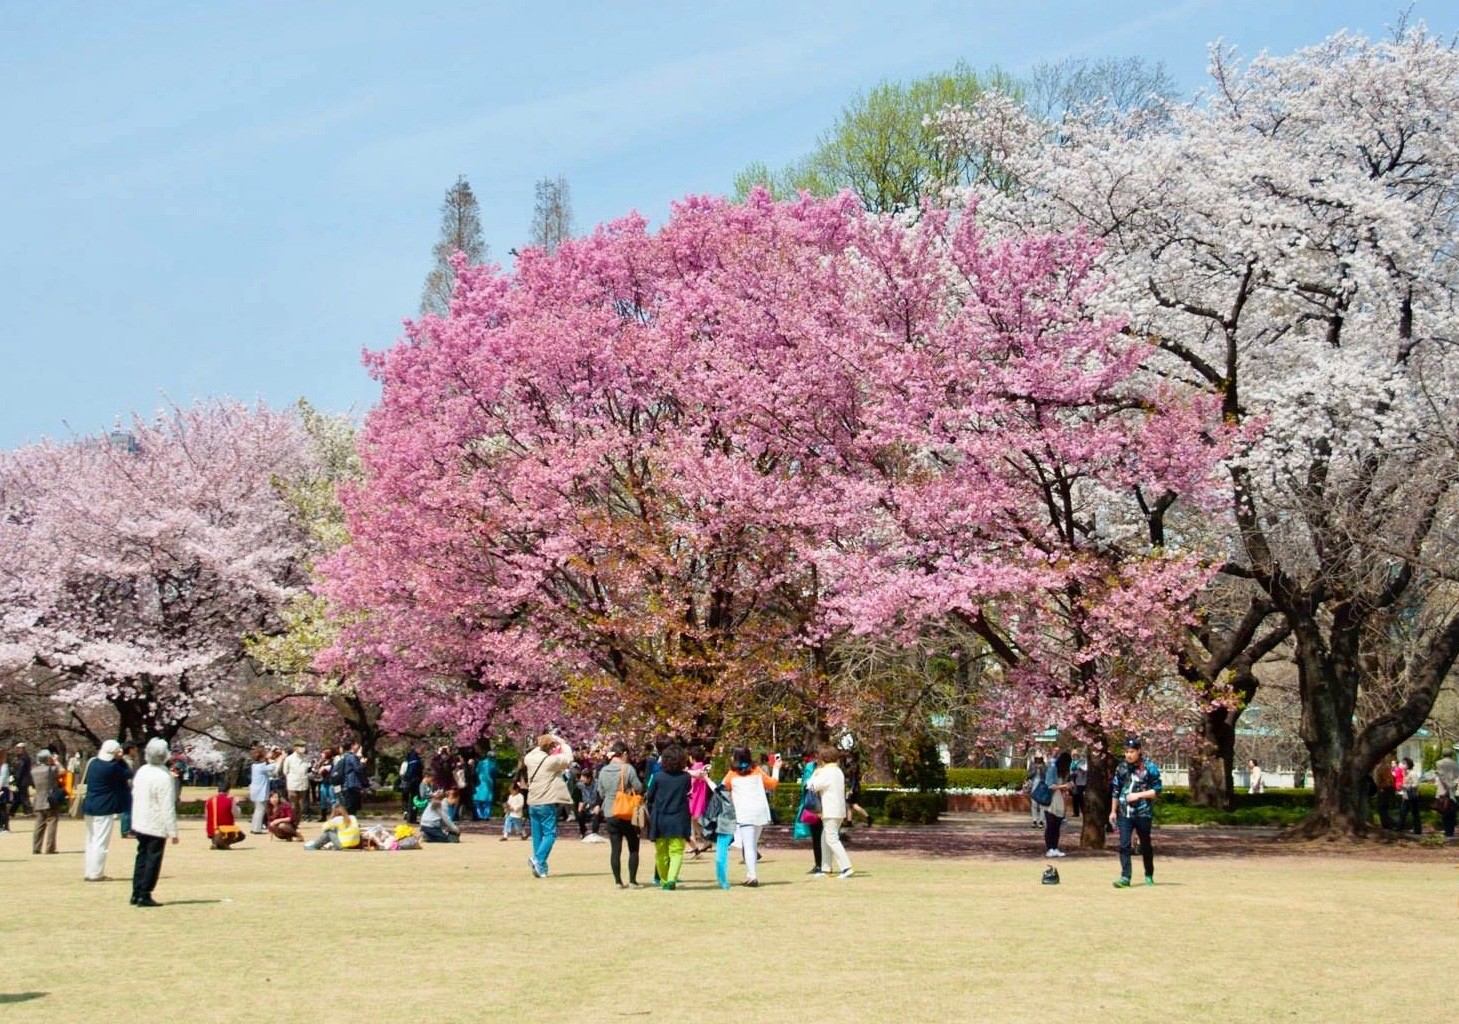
column 829, row 783
column 154, row 820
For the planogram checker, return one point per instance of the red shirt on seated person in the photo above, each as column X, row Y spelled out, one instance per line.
column 218, row 812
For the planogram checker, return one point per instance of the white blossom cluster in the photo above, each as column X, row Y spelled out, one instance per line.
column 1287, row 242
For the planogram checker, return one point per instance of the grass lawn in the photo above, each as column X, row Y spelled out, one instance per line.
column 457, row 934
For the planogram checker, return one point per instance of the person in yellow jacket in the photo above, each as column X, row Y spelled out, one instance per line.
column 341, row 832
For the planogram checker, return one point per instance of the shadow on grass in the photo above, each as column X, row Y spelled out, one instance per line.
column 21, row 997
column 186, row 903
column 33, row 856
column 1000, row 841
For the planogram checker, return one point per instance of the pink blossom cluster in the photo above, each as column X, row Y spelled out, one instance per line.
column 133, row 565
column 665, row 467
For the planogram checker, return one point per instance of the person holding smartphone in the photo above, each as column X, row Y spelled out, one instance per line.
column 547, row 792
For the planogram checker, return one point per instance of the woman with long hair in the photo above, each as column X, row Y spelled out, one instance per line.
column 324, row 769
column 1061, row 784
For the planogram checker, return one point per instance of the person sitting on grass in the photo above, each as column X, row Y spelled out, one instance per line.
column 436, row 824
column 279, row 819
column 341, row 832
column 220, row 818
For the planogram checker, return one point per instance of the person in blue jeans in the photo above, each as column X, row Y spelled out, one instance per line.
column 721, row 813
column 547, row 790
column 1132, row 808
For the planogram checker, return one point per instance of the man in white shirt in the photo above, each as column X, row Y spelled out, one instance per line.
column 296, row 781
column 154, row 821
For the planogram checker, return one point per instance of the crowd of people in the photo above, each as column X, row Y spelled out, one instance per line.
column 669, row 797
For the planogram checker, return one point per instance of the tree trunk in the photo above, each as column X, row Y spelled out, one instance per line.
column 1343, row 758
column 1341, row 785
column 1096, row 799
column 1327, row 676
column 1211, row 784
column 362, row 719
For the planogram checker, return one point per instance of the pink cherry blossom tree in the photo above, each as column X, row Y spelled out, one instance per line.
column 1022, row 474
column 134, row 564
column 586, row 490
column 652, row 478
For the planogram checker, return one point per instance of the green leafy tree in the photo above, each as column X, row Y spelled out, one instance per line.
column 886, row 146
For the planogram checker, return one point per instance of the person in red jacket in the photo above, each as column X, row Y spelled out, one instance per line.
column 218, row 816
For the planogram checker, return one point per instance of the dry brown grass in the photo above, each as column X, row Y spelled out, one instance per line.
column 463, row 934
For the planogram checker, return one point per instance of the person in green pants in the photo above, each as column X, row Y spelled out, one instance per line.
column 668, row 815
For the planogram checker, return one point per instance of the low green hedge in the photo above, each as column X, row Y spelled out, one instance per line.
column 880, row 803
column 985, row 778
column 915, row 808
column 785, row 802
column 1185, row 814
column 1287, row 799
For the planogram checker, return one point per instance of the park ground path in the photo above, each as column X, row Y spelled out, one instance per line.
column 1011, row 837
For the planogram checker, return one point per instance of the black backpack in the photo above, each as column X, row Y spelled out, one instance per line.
column 1051, row 875
column 336, row 772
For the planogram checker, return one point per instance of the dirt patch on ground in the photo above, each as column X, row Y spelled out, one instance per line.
column 1010, row 837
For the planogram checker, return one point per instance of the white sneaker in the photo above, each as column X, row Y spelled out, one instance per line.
column 846, row 874
column 1056, row 853
column 1048, row 853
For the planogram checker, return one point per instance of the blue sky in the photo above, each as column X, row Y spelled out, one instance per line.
column 208, row 198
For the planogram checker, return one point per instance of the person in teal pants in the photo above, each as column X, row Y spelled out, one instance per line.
column 721, row 813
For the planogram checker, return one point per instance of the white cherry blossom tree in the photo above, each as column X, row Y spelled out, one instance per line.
column 1287, row 241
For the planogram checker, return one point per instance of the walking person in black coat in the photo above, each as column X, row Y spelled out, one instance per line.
column 668, row 815
column 108, row 797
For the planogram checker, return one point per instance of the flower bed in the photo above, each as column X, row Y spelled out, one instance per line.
column 986, row 801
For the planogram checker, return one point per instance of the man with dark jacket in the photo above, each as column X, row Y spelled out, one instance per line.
column 20, row 772
column 412, row 771
column 1132, row 807
column 108, row 797
column 353, row 790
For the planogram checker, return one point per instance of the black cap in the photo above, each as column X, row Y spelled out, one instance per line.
column 1132, row 743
